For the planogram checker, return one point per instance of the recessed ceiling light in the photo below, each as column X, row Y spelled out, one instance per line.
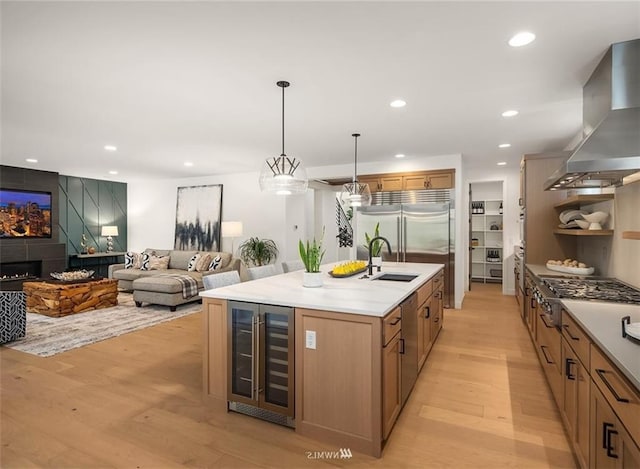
column 400, row 155
column 110, row 148
column 188, row 163
column 504, row 145
column 502, row 163
column 398, row 103
column 510, row 113
column 113, row 172
column 31, row 160
column 522, row 39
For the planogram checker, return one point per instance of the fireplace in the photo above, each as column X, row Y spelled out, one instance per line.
column 12, row 274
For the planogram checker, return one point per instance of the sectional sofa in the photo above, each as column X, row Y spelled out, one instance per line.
column 162, row 281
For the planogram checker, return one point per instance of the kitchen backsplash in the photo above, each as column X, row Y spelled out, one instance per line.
column 613, row 256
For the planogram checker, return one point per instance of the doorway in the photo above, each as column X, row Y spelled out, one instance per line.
column 486, row 228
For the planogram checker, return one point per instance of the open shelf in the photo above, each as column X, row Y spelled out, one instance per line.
column 578, row 200
column 583, row 232
column 631, row 235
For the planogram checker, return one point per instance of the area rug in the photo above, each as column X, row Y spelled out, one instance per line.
column 48, row 336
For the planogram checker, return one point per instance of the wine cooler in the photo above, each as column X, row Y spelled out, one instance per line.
column 261, row 341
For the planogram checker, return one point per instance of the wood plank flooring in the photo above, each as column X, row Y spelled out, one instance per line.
column 135, row 401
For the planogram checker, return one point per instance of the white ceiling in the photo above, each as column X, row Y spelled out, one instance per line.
column 170, row 82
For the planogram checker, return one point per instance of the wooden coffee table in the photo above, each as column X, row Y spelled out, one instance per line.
column 56, row 299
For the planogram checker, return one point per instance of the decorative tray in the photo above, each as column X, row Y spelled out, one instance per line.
column 350, row 274
column 72, row 276
column 571, row 270
column 631, row 329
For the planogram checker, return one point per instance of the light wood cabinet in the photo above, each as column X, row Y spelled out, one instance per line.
column 214, row 363
column 391, row 183
column 540, row 219
column 611, row 445
column 549, row 353
column 576, row 401
column 391, row 381
column 441, row 179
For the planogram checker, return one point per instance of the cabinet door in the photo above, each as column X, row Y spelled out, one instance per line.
column 412, row 183
column 276, row 359
column 391, row 379
column 440, row 181
column 422, row 353
column 242, row 364
column 435, row 316
column 391, row 183
column 373, row 182
column 611, row 445
column 576, row 403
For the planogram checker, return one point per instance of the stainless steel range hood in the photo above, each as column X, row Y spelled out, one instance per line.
column 611, row 124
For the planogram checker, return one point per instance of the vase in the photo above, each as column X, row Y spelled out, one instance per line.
column 311, row 279
column 376, row 261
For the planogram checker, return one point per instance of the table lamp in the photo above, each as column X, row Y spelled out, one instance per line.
column 109, row 232
column 231, row 229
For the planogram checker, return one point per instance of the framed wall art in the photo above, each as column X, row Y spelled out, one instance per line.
column 198, row 218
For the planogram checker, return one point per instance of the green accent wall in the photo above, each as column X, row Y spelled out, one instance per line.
column 86, row 205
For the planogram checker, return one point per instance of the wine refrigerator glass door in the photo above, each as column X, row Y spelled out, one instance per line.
column 276, row 359
column 243, row 359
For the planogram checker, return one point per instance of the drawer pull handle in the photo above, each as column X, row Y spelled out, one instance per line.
column 607, row 431
column 566, row 328
column 627, row 320
column 533, row 304
column 601, row 373
column 396, row 321
column 402, row 349
column 544, row 321
column 542, row 347
column 428, row 309
column 567, row 368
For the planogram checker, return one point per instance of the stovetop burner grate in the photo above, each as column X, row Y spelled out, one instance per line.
column 593, row 289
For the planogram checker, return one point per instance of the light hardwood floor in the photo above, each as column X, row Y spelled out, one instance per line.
column 135, row 401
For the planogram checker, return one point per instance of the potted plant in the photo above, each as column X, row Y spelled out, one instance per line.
column 311, row 254
column 376, row 247
column 257, row 252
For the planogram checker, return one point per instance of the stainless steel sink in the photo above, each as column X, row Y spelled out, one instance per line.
column 396, row 277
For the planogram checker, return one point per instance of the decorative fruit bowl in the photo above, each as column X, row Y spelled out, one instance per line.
column 347, row 269
column 75, row 275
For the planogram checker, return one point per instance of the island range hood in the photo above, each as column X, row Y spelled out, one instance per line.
column 611, row 123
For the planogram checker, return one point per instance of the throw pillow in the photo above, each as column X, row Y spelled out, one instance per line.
column 132, row 260
column 191, row 266
column 158, row 262
column 216, row 263
column 144, row 265
column 202, row 265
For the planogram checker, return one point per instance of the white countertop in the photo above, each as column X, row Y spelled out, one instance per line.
column 602, row 321
column 344, row 295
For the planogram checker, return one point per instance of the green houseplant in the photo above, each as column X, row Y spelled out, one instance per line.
column 257, row 252
column 376, row 247
column 311, row 254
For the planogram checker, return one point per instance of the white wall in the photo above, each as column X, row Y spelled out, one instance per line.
column 510, row 178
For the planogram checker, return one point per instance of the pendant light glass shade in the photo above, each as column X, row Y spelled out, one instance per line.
column 355, row 194
column 283, row 175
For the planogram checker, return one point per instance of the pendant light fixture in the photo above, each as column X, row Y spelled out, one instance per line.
column 355, row 194
column 283, row 175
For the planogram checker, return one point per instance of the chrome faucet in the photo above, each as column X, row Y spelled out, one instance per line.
column 370, row 256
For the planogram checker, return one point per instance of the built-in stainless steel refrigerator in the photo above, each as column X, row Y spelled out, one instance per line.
column 421, row 232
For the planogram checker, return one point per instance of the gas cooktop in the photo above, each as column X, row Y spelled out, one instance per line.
column 603, row 289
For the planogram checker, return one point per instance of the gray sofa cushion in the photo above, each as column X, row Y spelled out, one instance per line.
column 180, row 259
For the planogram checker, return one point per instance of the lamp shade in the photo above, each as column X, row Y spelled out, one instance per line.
column 109, row 231
column 231, row 229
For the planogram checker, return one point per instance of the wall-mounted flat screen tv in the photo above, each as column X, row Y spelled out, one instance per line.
column 25, row 214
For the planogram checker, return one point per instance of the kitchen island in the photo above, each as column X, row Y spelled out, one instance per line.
column 350, row 350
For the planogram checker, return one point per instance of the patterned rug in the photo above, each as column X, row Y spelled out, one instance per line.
column 48, row 336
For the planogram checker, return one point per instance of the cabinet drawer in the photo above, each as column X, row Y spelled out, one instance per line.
column 425, row 291
column 438, row 280
column 391, row 325
column 620, row 394
column 576, row 338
